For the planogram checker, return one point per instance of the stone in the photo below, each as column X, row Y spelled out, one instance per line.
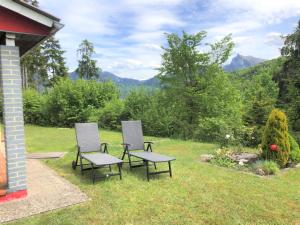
column 260, row 172
column 244, row 157
column 206, row 157
column 243, row 162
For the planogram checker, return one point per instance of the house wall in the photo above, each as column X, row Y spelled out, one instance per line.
column 12, row 105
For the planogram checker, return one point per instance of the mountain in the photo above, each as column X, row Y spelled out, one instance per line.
column 242, row 62
column 124, row 84
column 272, row 66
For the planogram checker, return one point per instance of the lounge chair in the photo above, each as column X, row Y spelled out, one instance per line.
column 90, row 149
column 134, row 146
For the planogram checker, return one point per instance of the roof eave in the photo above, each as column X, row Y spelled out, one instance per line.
column 37, row 10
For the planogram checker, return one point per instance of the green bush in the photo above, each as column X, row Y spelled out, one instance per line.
column 251, row 136
column 295, row 150
column 153, row 109
column 222, row 158
column 111, row 115
column 74, row 101
column 219, row 110
column 276, row 132
column 266, row 167
column 34, row 103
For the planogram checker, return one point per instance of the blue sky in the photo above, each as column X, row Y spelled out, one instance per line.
column 128, row 34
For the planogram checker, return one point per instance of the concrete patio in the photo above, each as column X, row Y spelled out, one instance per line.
column 47, row 191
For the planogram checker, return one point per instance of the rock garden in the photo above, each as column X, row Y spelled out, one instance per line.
column 277, row 152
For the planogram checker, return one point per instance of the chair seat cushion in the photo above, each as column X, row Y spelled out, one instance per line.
column 152, row 157
column 101, row 159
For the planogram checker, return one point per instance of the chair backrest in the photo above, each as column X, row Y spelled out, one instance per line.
column 87, row 136
column 133, row 134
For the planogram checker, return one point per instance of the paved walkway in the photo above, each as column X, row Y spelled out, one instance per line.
column 46, row 191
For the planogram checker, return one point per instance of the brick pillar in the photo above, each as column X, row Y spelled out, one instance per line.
column 13, row 117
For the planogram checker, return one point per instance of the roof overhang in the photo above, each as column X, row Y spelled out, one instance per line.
column 30, row 24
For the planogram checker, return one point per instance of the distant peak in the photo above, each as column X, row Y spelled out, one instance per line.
column 242, row 62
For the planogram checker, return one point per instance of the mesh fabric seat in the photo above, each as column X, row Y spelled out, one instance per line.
column 93, row 151
column 135, row 146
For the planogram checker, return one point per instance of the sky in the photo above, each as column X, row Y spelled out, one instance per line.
column 128, row 34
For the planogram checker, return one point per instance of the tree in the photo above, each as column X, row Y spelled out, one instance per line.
column 87, row 67
column 56, row 66
column 181, row 64
column 197, row 87
column 34, row 69
column 43, row 65
column 289, row 77
column 275, row 140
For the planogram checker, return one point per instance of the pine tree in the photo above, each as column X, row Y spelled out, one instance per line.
column 34, row 69
column 43, row 65
column 87, row 67
column 53, row 54
column 275, row 140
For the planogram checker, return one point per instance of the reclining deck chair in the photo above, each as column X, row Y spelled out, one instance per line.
column 90, row 149
column 133, row 143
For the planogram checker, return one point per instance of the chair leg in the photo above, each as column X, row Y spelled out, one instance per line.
column 129, row 159
column 120, row 171
column 147, row 166
column 170, row 169
column 155, row 166
column 81, row 166
column 76, row 162
column 124, row 153
column 93, row 173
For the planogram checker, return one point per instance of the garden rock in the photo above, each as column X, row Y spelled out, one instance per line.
column 260, row 172
column 206, row 157
column 242, row 158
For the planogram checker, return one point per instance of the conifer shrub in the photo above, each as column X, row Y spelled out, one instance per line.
column 275, row 140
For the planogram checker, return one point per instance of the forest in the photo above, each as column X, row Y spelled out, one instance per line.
column 196, row 100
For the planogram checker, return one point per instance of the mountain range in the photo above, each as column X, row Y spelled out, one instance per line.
column 126, row 84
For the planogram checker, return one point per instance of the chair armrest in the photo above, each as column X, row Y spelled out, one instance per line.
column 125, row 144
column 149, row 145
column 105, row 150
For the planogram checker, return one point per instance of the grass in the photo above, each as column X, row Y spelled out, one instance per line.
column 198, row 193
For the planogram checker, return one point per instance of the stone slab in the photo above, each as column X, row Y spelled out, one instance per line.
column 45, row 155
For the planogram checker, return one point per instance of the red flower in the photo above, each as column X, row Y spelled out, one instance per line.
column 273, row 147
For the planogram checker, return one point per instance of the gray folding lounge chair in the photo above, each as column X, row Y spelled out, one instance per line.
column 90, row 149
column 133, row 141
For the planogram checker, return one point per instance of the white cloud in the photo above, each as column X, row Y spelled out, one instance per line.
column 127, row 34
column 274, row 38
column 266, row 11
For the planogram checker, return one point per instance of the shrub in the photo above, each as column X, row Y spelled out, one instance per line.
column 111, row 115
column 222, row 158
column 251, row 136
column 155, row 111
column 74, row 101
column 276, row 133
column 33, row 106
column 266, row 167
column 295, row 150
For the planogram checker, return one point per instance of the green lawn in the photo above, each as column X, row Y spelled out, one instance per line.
column 198, row 193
